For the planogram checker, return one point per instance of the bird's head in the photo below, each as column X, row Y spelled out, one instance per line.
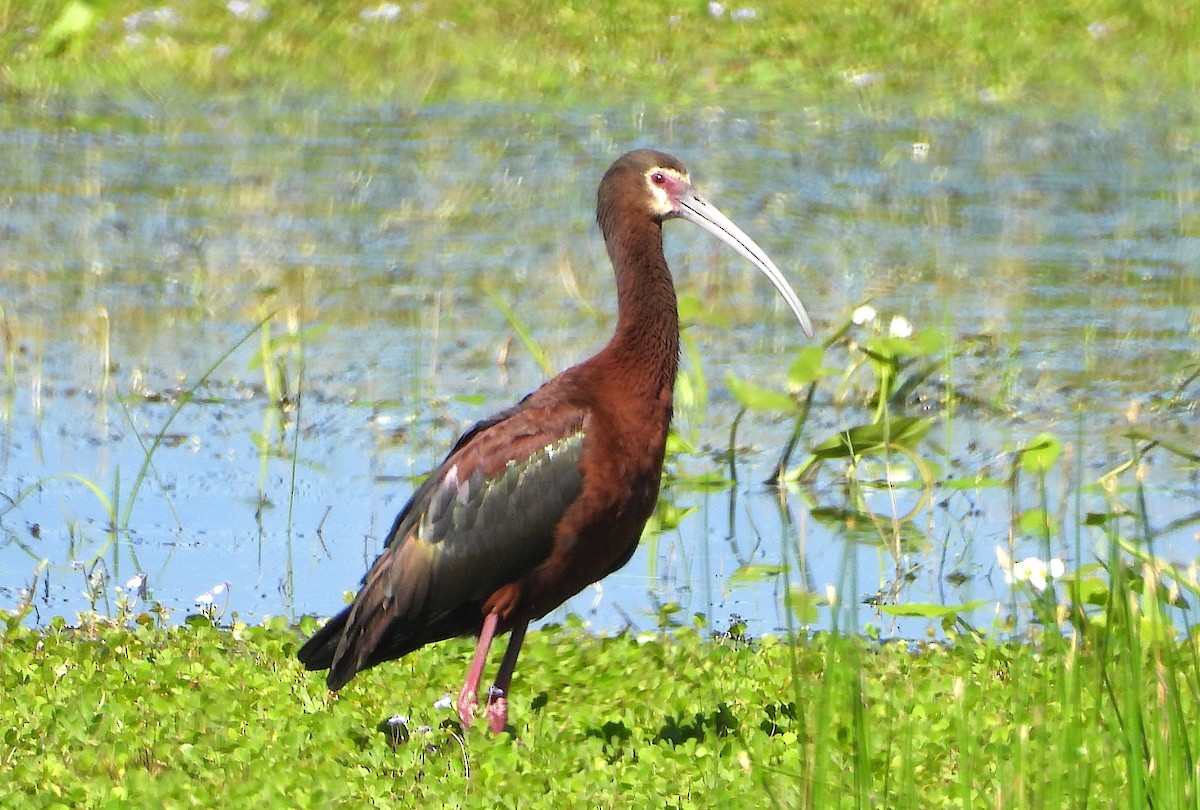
column 650, row 185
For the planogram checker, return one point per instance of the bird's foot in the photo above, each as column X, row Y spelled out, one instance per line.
column 468, row 702
column 497, row 710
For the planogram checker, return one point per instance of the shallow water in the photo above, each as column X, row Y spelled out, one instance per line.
column 139, row 243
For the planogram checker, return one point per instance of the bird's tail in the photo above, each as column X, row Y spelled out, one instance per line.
column 318, row 651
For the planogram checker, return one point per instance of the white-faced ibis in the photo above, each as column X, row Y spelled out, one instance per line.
column 539, row 501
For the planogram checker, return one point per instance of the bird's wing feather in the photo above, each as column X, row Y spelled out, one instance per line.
column 484, row 518
column 489, row 515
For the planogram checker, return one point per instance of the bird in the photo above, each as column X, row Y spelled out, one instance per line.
column 544, row 498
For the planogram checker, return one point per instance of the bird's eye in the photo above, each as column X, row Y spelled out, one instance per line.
column 658, row 178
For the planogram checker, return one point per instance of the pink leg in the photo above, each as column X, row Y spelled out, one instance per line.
column 468, row 698
column 497, row 707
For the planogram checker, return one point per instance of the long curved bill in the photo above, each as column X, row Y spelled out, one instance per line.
column 694, row 208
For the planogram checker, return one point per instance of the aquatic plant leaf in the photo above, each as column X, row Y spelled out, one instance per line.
column 929, row 610
column 807, row 367
column 890, row 347
column 710, row 481
column 692, row 309
column 73, row 25
column 862, row 527
column 804, row 604
column 901, row 431
column 756, row 397
column 1036, row 523
column 756, row 573
column 930, row 341
column 977, row 481
column 1041, row 454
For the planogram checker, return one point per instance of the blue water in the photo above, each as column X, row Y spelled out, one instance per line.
column 139, row 244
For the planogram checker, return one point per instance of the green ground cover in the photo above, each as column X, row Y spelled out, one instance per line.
column 928, row 56
column 195, row 715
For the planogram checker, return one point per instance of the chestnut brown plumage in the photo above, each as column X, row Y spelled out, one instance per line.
column 538, row 501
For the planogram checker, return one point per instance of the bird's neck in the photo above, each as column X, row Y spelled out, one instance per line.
column 645, row 346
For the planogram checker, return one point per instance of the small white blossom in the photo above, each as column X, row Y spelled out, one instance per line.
column 163, row 15
column 205, row 598
column 135, row 582
column 1031, row 569
column 830, row 594
column 900, row 327
column 384, row 12
column 745, row 14
column 861, row 78
column 247, row 10
column 716, row 9
column 444, row 702
column 864, row 314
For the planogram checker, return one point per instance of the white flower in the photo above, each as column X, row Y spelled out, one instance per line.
column 716, row 9
column 204, row 599
column 861, row 78
column 164, row 16
column 864, row 314
column 745, row 14
column 384, row 12
column 830, row 594
column 1031, row 569
column 900, row 327
column 135, row 582
column 247, row 10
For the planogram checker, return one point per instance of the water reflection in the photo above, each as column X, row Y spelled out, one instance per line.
column 139, row 244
